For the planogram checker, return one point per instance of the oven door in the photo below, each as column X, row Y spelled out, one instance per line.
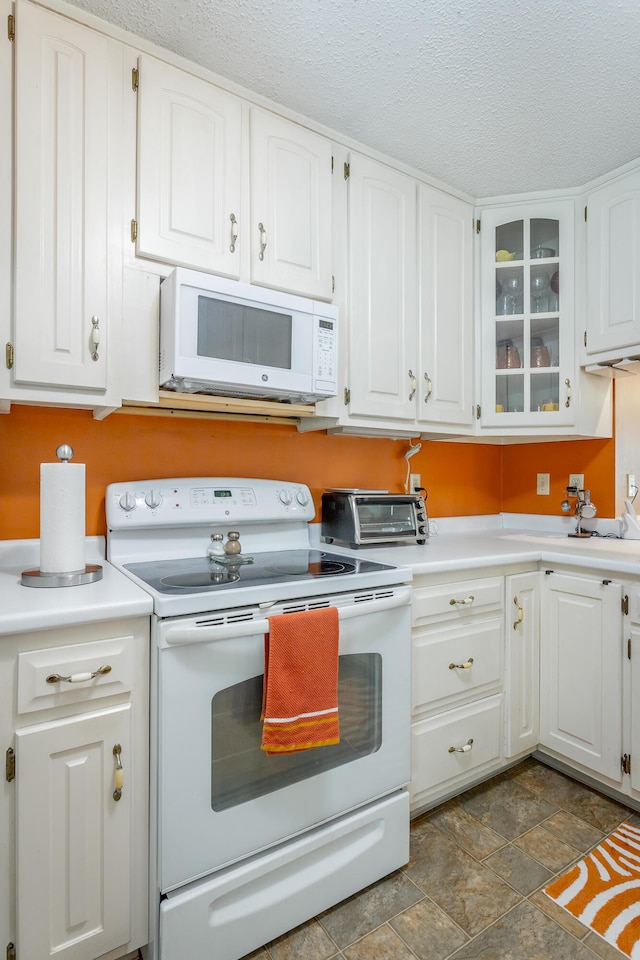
column 220, row 797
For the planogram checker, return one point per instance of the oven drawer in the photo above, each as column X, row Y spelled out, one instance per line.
column 475, row 734
column 459, row 600
column 110, row 659
column 238, row 909
column 456, row 664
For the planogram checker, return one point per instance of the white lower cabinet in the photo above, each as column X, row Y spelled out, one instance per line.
column 458, row 640
column 74, row 809
column 581, row 671
column 522, row 667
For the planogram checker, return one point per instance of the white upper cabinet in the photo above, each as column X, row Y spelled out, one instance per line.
column 67, row 313
column 613, row 269
column 290, row 204
column 189, row 170
column 445, row 308
column 230, row 189
column 407, row 364
column 382, row 321
column 527, row 329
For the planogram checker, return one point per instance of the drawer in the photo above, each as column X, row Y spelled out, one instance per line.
column 458, row 664
column 459, row 600
column 75, row 661
column 436, row 769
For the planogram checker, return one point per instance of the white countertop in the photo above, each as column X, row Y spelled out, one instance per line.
column 472, row 543
column 24, row 609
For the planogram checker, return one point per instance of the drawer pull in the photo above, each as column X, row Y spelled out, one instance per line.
column 119, row 774
column 465, row 749
column 516, row 623
column 466, row 602
column 462, row 666
column 78, row 677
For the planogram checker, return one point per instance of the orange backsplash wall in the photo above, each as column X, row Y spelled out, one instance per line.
column 461, row 478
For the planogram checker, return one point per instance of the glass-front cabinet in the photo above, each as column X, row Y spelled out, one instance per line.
column 527, row 256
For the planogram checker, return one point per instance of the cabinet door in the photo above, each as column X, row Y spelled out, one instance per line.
column 613, row 255
column 382, row 336
column 634, row 700
column 528, row 352
column 581, row 671
column 445, row 292
column 189, row 154
column 62, row 171
column 290, row 206
column 73, row 844
column 522, row 631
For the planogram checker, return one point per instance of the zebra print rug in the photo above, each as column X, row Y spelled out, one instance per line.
column 603, row 890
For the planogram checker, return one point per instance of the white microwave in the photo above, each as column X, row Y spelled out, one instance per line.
column 235, row 339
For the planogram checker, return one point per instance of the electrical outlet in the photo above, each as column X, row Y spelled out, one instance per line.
column 415, row 482
column 631, row 485
column 543, row 484
column 576, row 480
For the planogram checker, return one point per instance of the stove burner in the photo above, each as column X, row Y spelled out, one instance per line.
column 314, row 568
column 200, row 579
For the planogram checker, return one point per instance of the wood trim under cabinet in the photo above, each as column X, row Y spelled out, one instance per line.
column 219, row 408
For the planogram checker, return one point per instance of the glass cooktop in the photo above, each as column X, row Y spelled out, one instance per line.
column 201, row 574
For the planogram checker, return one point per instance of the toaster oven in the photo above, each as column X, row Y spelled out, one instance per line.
column 356, row 518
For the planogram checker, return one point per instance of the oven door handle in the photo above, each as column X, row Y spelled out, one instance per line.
column 176, row 635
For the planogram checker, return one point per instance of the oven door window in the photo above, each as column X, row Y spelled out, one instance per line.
column 241, row 771
column 244, row 334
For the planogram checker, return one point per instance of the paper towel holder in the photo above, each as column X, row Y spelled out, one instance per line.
column 92, row 571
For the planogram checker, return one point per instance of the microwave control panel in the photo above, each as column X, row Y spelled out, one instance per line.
column 325, row 354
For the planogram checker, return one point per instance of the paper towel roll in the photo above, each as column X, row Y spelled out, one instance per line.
column 62, row 517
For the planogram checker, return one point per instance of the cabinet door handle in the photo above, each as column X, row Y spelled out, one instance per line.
column 119, row 772
column 427, row 395
column 95, row 337
column 414, row 385
column 263, row 241
column 463, row 603
column 234, row 232
column 516, row 623
column 462, row 666
column 78, row 677
column 567, row 384
column 465, row 749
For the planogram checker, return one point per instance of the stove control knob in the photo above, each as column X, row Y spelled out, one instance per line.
column 302, row 498
column 127, row 502
column 153, row 499
column 284, row 496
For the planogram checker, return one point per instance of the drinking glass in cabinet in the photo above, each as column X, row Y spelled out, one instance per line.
column 539, row 353
column 510, row 299
column 539, row 292
column 507, row 355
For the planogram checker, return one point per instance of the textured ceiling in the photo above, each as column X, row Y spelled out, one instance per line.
column 491, row 96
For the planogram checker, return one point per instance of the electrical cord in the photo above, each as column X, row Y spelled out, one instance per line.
column 411, row 452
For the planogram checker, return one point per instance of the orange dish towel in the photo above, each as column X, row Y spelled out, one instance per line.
column 300, row 692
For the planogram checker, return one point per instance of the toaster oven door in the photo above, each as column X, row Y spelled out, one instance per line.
column 387, row 518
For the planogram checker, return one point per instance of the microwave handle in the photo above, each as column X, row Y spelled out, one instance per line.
column 177, row 635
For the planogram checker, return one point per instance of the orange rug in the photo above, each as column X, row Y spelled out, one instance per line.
column 603, row 890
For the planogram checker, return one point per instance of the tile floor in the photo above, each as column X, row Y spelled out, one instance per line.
column 473, row 886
